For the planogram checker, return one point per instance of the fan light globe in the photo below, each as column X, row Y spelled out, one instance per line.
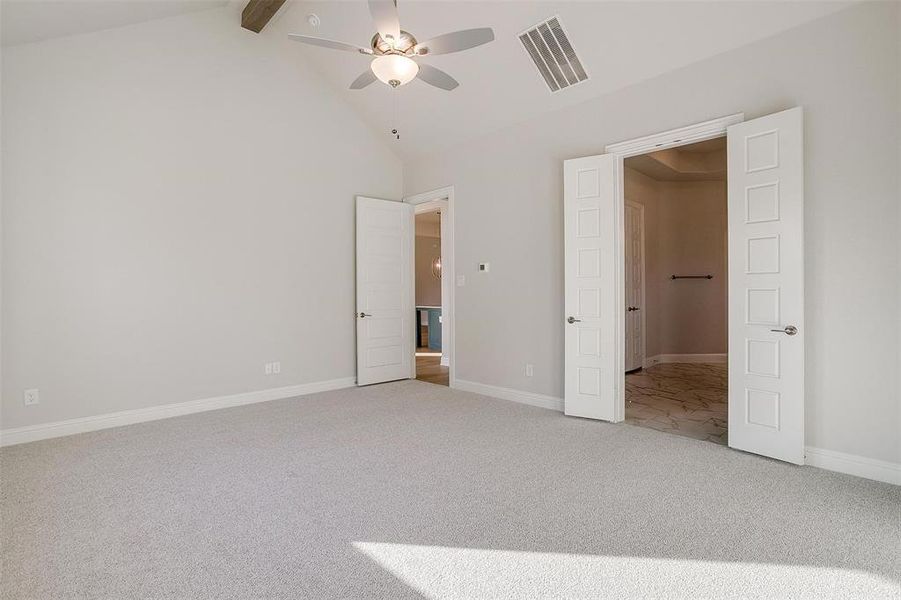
column 394, row 69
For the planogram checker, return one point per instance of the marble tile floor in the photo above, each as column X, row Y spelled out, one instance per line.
column 687, row 399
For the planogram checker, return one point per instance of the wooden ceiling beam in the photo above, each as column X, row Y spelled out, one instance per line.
column 258, row 12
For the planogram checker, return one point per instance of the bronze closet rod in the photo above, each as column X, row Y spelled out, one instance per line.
column 691, row 276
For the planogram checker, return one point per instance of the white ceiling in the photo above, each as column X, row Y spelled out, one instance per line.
column 707, row 161
column 620, row 43
column 23, row 21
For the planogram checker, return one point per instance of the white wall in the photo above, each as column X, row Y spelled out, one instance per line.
column 691, row 239
column 177, row 211
column 685, row 233
column 844, row 69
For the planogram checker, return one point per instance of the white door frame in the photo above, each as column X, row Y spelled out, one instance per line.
column 442, row 198
column 622, row 150
column 644, row 305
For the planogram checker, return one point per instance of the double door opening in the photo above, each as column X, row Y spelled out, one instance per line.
column 675, row 255
column 764, row 275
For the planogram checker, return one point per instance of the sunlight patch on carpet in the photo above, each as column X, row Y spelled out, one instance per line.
column 439, row 572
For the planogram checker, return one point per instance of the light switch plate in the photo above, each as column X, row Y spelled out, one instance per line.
column 461, row 280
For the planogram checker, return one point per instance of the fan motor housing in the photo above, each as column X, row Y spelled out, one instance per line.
column 404, row 45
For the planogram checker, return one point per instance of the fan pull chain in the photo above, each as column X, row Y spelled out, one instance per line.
column 394, row 100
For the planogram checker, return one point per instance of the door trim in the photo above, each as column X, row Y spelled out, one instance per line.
column 643, row 293
column 425, row 202
column 622, row 150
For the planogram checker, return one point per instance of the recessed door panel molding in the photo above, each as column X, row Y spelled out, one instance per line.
column 387, row 356
column 762, row 202
column 761, row 151
column 589, row 342
column 589, row 381
column 386, row 328
column 766, row 286
column 762, row 358
column 588, row 183
column 762, row 306
column 589, row 223
column 383, row 299
column 385, row 245
column 589, row 322
column 589, row 260
column 388, row 273
column 384, row 314
column 762, row 408
column 762, row 254
column 589, row 303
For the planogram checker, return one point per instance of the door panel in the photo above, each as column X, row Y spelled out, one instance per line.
column 766, row 286
column 634, row 274
column 384, row 291
column 590, row 238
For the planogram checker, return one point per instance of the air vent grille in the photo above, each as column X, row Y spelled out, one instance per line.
column 550, row 49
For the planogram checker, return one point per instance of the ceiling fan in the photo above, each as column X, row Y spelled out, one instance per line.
column 394, row 50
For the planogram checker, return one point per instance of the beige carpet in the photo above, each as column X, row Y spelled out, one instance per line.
column 412, row 490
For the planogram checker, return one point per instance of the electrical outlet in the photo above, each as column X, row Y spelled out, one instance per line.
column 32, row 396
column 530, row 370
column 272, row 368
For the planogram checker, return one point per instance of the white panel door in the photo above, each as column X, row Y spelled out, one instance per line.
column 766, row 286
column 589, row 213
column 634, row 273
column 385, row 314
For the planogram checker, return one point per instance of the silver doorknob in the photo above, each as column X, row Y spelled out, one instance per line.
column 364, row 315
column 633, row 308
column 572, row 320
column 789, row 330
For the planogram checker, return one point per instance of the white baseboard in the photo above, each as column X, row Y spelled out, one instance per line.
column 32, row 433
column 850, row 464
column 657, row 359
column 445, row 361
column 530, row 398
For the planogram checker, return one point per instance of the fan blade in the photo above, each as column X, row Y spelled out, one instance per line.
column 456, row 41
column 315, row 41
column 365, row 78
column 384, row 14
column 436, row 77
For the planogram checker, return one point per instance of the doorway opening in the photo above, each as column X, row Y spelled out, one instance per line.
column 432, row 317
column 428, row 296
column 676, row 290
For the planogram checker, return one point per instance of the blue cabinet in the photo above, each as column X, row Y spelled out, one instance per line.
column 434, row 326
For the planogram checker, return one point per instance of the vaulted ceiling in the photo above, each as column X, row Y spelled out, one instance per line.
column 620, row 43
column 23, row 21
